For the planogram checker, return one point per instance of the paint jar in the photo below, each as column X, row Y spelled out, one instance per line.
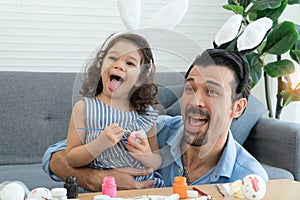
column 109, row 186
column 59, row 194
column 71, row 186
column 180, row 187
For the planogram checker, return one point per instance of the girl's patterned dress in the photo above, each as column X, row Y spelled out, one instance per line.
column 99, row 116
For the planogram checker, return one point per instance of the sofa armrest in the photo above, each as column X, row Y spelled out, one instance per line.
column 276, row 143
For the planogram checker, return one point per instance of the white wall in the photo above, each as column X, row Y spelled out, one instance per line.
column 58, row 35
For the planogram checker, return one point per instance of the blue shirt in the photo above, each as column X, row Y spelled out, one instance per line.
column 234, row 164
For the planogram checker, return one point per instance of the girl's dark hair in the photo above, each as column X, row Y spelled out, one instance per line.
column 139, row 97
column 232, row 60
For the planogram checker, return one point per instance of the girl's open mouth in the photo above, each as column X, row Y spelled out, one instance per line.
column 115, row 82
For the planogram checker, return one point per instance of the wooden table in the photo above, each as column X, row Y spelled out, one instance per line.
column 276, row 190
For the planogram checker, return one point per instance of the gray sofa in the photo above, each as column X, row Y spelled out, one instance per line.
column 35, row 108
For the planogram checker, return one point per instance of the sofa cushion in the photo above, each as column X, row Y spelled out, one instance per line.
column 31, row 175
column 277, row 173
column 242, row 126
column 35, row 113
column 169, row 99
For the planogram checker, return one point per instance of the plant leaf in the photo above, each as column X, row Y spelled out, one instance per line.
column 255, row 67
column 291, row 2
column 289, row 95
column 295, row 54
column 273, row 14
column 295, row 51
column 243, row 3
column 281, row 38
column 236, row 9
column 280, row 68
column 265, row 4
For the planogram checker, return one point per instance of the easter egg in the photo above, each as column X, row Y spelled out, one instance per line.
column 253, row 187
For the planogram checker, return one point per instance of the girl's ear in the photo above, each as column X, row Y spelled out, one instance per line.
column 130, row 12
column 238, row 107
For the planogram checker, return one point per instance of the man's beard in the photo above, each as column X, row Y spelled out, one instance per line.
column 197, row 141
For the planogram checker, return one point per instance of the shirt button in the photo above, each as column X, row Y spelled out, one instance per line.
column 180, row 170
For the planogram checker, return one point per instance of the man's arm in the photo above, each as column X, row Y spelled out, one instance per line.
column 92, row 179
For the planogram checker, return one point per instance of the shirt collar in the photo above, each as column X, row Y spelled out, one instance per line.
column 175, row 143
column 225, row 166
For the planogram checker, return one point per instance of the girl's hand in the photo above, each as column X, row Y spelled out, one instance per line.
column 111, row 135
column 138, row 146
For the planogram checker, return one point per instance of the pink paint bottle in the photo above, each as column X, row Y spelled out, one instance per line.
column 109, row 186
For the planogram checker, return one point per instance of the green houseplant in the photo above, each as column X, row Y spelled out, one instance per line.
column 283, row 38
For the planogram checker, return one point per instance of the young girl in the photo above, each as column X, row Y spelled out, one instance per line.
column 118, row 92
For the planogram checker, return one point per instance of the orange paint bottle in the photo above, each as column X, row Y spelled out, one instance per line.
column 180, row 186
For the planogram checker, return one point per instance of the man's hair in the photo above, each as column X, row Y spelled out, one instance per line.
column 139, row 97
column 232, row 60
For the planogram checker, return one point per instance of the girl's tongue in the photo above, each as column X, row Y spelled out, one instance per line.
column 114, row 84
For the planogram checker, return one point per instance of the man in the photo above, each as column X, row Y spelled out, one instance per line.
column 198, row 145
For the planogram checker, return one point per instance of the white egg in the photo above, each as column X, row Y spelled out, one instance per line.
column 13, row 191
column 40, row 194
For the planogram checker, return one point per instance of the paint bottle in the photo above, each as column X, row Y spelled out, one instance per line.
column 180, row 187
column 71, row 186
column 109, row 186
column 59, row 194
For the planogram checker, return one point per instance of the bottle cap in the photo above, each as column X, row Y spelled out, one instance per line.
column 179, row 179
column 58, row 192
column 192, row 194
column 101, row 197
column 174, row 197
column 70, row 179
column 110, row 180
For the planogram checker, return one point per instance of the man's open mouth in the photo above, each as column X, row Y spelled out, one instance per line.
column 197, row 121
column 115, row 82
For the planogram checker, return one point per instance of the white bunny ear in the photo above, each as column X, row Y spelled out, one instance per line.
column 168, row 16
column 130, row 11
column 229, row 30
column 254, row 34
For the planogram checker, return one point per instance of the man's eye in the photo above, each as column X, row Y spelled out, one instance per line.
column 189, row 89
column 212, row 92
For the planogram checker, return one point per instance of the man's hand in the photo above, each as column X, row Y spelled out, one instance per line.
column 92, row 179
column 124, row 177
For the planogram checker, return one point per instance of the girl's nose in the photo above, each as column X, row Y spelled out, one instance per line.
column 119, row 65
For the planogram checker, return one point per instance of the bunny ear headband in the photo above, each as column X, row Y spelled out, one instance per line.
column 165, row 18
column 161, row 21
column 248, row 40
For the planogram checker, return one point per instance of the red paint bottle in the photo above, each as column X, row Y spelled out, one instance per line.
column 109, row 186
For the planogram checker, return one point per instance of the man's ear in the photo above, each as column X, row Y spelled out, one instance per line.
column 238, row 107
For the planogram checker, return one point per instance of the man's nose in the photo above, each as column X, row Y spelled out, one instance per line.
column 198, row 99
